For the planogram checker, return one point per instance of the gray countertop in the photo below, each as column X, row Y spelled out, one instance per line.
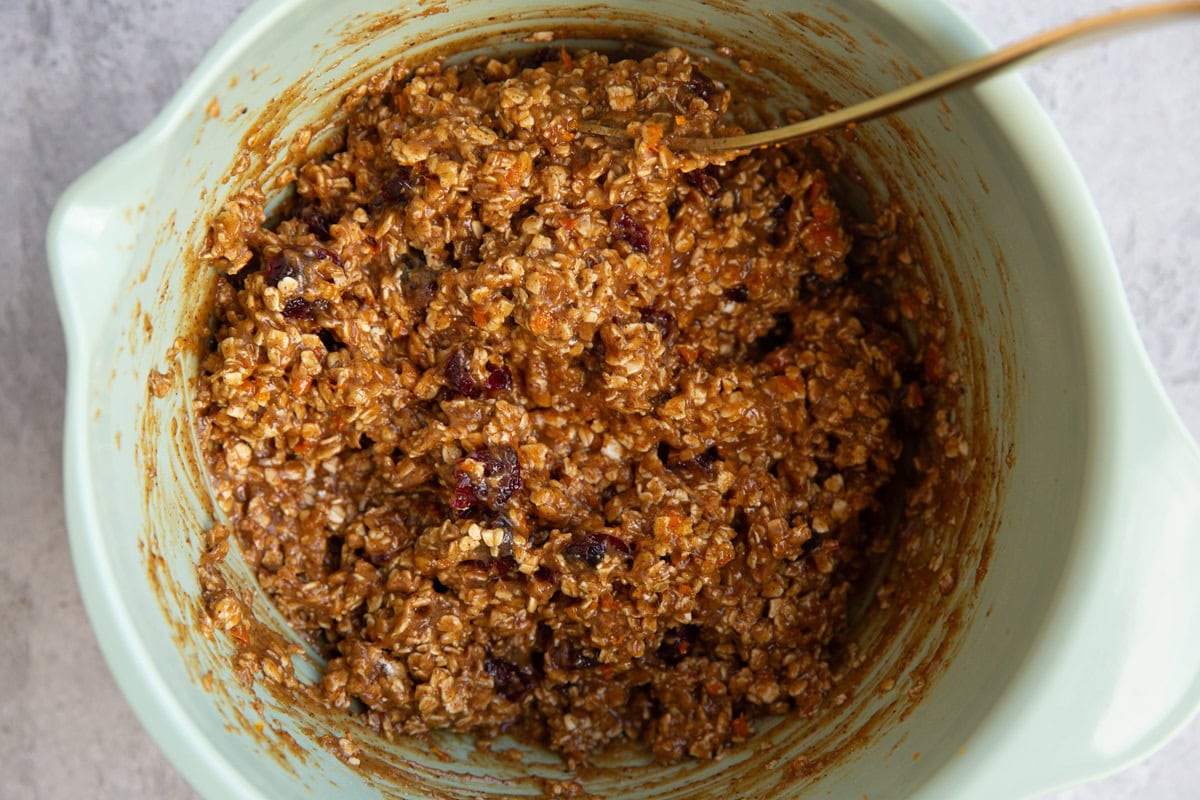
column 79, row 77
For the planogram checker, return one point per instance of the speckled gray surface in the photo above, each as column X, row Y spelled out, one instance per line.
column 78, row 77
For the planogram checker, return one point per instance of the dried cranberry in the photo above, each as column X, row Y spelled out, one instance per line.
column 298, row 308
column 784, row 206
column 317, row 253
column 537, row 58
column 278, row 267
column 706, row 460
column 589, row 550
column 571, row 655
column 663, row 320
column 779, row 214
column 399, row 184
column 499, row 379
column 316, row 222
column 704, row 179
column 738, row 294
column 458, row 374
column 502, row 470
column 512, row 682
column 501, row 480
column 592, row 548
column 545, row 574
column 381, row 558
column 496, row 567
column 620, row 545
column 700, row 84
column 633, row 232
column 677, row 642
column 466, row 491
column 287, row 263
column 330, row 340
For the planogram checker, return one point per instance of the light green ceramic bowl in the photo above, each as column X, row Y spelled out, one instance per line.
column 1078, row 649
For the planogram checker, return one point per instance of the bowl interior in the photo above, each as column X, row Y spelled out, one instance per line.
column 990, row 252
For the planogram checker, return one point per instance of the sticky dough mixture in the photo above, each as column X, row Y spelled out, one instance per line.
column 531, row 430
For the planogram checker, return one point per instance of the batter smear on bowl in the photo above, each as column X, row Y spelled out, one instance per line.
column 533, row 431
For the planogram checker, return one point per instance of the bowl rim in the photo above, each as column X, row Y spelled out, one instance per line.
column 1107, row 328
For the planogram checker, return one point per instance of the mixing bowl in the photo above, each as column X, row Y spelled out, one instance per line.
column 1064, row 644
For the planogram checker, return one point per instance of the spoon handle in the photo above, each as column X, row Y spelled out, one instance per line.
column 966, row 74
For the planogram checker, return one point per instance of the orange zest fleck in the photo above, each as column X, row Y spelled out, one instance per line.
column 541, row 322
column 513, row 175
column 654, row 134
